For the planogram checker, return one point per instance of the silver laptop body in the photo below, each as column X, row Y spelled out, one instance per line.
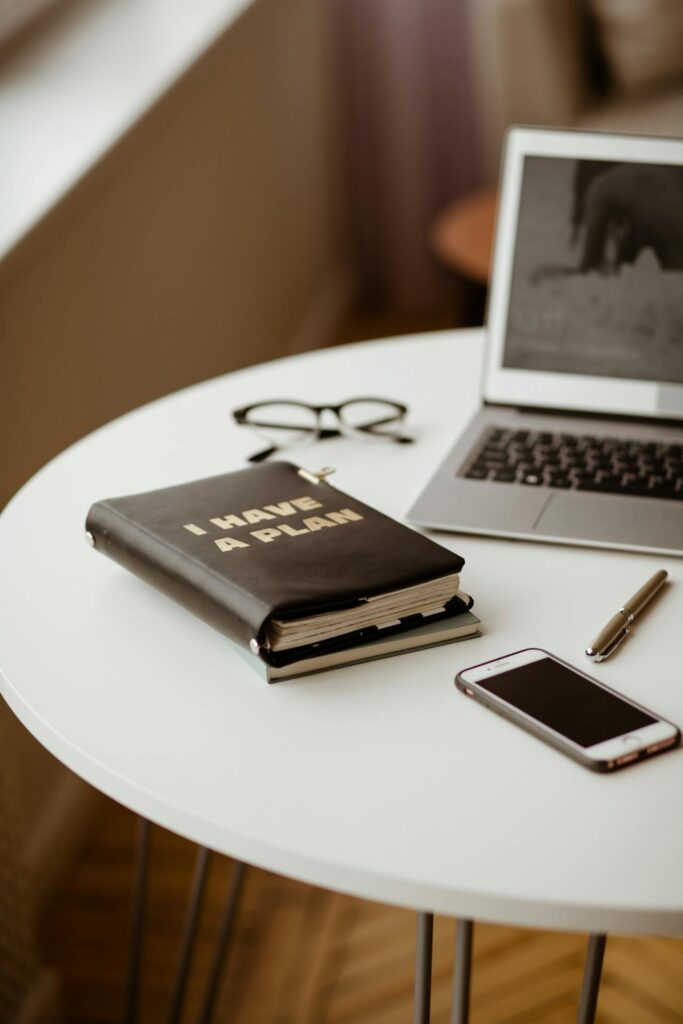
column 580, row 436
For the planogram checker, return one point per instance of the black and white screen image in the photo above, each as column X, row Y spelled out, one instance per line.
column 597, row 282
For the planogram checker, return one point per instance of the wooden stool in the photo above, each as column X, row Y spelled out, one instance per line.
column 462, row 240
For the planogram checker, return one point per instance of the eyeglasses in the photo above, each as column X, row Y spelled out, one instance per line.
column 283, row 423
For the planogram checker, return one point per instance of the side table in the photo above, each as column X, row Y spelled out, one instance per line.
column 376, row 780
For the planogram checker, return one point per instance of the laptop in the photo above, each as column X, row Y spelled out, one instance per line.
column 579, row 439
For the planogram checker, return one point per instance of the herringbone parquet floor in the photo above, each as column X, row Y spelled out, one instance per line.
column 301, row 955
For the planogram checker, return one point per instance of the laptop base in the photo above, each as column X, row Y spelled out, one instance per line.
column 453, row 503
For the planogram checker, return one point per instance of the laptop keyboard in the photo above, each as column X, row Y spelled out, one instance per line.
column 608, row 465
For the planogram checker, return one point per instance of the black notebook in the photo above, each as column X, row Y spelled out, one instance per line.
column 297, row 572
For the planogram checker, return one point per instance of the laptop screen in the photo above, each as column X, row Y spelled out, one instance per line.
column 597, row 277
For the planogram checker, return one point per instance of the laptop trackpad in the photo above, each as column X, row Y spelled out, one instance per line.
column 641, row 522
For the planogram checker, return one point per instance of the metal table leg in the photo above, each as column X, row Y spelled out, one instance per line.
column 190, row 932
column 139, row 896
column 462, row 972
column 141, row 871
column 423, row 968
column 591, row 979
column 225, row 933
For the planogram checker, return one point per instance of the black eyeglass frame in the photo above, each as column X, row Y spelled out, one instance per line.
column 320, row 433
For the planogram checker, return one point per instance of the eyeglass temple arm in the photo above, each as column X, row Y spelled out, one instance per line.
column 323, row 435
column 262, row 455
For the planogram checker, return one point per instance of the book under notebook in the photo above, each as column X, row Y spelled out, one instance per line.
column 463, row 626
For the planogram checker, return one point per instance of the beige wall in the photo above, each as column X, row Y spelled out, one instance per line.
column 207, row 240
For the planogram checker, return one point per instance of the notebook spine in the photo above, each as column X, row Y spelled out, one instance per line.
column 169, row 570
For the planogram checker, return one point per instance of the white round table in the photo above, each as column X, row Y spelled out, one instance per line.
column 378, row 780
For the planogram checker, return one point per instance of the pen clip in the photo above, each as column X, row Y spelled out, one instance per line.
column 611, row 648
column 316, row 478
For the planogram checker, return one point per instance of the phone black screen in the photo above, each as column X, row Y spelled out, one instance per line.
column 566, row 702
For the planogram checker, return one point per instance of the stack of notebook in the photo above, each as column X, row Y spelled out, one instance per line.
column 294, row 570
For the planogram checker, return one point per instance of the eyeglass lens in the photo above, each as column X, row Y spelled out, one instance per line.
column 371, row 416
column 283, row 423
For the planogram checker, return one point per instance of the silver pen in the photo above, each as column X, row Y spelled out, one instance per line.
column 619, row 626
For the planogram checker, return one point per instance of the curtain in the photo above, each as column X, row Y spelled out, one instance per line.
column 409, row 139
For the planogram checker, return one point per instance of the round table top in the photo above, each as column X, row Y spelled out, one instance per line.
column 379, row 780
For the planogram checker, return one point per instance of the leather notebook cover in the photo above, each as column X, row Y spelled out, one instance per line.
column 262, row 542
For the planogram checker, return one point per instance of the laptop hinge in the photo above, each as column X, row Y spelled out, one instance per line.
column 539, row 410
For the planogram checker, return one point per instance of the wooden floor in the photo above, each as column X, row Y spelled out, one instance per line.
column 301, row 955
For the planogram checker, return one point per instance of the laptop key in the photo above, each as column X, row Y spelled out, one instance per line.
column 641, row 489
column 608, row 485
column 559, row 481
column 669, row 490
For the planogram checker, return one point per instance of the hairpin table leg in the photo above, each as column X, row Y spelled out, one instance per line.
column 222, row 943
column 462, row 972
column 139, row 893
column 423, row 968
column 591, row 979
column 189, row 932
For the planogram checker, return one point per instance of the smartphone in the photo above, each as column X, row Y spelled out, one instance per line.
column 576, row 714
